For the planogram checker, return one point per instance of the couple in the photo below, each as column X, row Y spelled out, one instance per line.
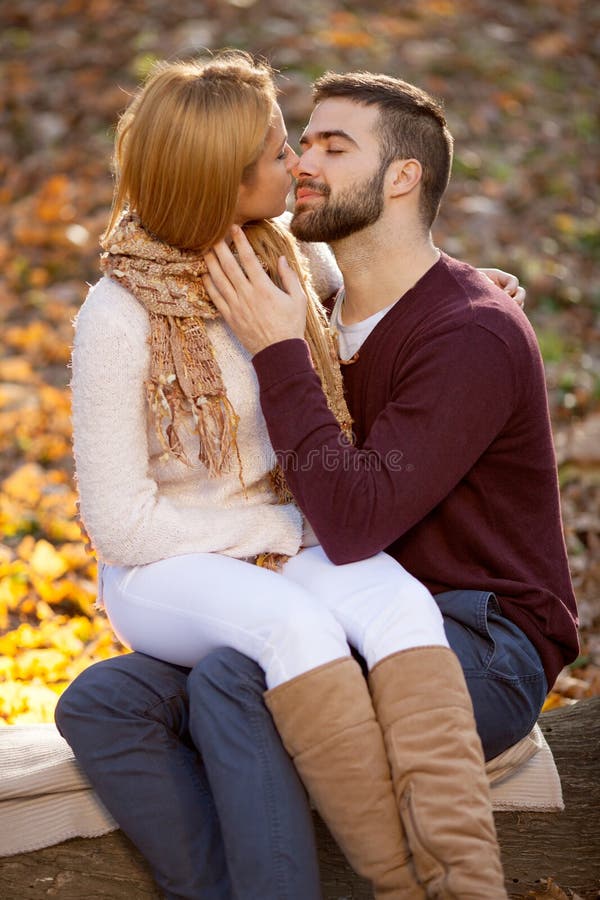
column 240, row 509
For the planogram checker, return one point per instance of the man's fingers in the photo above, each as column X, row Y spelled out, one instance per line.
column 219, row 275
column 256, row 310
column 234, row 269
column 216, row 296
column 248, row 259
column 289, row 280
column 225, row 270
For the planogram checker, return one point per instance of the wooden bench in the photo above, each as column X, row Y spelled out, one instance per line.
column 535, row 846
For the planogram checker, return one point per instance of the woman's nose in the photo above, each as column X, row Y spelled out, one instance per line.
column 291, row 159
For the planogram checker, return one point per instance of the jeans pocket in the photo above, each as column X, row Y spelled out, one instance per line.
column 514, row 656
column 503, row 670
column 486, row 641
column 465, row 616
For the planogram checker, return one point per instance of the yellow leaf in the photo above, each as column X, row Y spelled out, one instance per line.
column 25, row 636
column 565, row 223
column 46, row 561
column 75, row 554
column 26, row 547
column 42, row 662
column 6, row 555
column 25, row 483
column 61, row 529
column 554, row 701
column 39, row 277
column 24, row 703
column 9, row 643
column 7, row 668
column 16, row 368
column 82, row 627
column 66, row 642
column 44, row 611
column 42, row 712
column 13, row 589
column 349, row 38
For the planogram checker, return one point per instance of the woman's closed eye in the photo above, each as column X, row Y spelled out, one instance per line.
column 285, row 152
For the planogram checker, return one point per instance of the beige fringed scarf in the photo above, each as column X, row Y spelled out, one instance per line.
column 185, row 378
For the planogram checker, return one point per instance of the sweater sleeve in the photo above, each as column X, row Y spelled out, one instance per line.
column 127, row 518
column 326, row 277
column 445, row 408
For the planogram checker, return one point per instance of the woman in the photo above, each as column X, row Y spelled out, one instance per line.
column 200, row 544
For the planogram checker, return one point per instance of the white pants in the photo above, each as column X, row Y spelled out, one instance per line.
column 182, row 608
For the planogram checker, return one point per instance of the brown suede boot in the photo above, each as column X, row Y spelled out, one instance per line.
column 425, row 711
column 328, row 726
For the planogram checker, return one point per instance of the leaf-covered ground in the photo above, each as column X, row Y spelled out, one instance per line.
column 520, row 82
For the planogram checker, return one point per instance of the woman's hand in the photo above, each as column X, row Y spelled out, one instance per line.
column 256, row 310
column 508, row 283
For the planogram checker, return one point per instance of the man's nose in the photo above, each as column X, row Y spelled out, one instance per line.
column 305, row 165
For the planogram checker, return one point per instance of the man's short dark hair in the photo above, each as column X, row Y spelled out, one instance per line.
column 411, row 125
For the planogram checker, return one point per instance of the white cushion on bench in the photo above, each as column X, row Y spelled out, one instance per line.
column 525, row 777
column 46, row 799
column 44, row 796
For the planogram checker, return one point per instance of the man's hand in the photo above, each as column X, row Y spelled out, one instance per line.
column 256, row 310
column 508, row 283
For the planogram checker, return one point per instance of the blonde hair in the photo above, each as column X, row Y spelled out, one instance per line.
column 188, row 140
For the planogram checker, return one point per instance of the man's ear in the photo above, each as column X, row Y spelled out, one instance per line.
column 403, row 176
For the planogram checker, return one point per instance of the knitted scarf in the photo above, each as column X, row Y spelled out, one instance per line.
column 185, row 380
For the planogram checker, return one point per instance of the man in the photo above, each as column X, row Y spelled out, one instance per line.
column 453, row 471
column 443, row 476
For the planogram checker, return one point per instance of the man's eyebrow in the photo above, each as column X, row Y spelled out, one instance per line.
column 325, row 135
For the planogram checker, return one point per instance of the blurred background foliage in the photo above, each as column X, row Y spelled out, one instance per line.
column 520, row 83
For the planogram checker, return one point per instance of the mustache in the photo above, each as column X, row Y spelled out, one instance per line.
column 316, row 186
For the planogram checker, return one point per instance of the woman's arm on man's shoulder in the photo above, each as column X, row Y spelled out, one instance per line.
column 508, row 283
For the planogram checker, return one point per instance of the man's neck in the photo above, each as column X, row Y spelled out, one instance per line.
column 379, row 266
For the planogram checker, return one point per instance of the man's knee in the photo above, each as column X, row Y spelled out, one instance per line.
column 118, row 688
column 84, row 695
column 225, row 673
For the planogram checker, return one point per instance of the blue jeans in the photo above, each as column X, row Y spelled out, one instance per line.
column 190, row 765
column 192, row 768
column 502, row 668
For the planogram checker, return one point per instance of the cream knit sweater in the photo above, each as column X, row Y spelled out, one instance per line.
column 138, row 507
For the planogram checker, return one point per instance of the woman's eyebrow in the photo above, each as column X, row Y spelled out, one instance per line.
column 325, row 135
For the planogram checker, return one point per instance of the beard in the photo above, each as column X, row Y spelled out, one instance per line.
column 334, row 220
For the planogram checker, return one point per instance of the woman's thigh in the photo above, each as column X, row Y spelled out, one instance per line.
column 382, row 607
column 503, row 670
column 180, row 609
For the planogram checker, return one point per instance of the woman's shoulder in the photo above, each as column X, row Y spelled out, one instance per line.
column 109, row 305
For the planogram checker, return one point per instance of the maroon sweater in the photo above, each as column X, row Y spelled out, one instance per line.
column 453, row 472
